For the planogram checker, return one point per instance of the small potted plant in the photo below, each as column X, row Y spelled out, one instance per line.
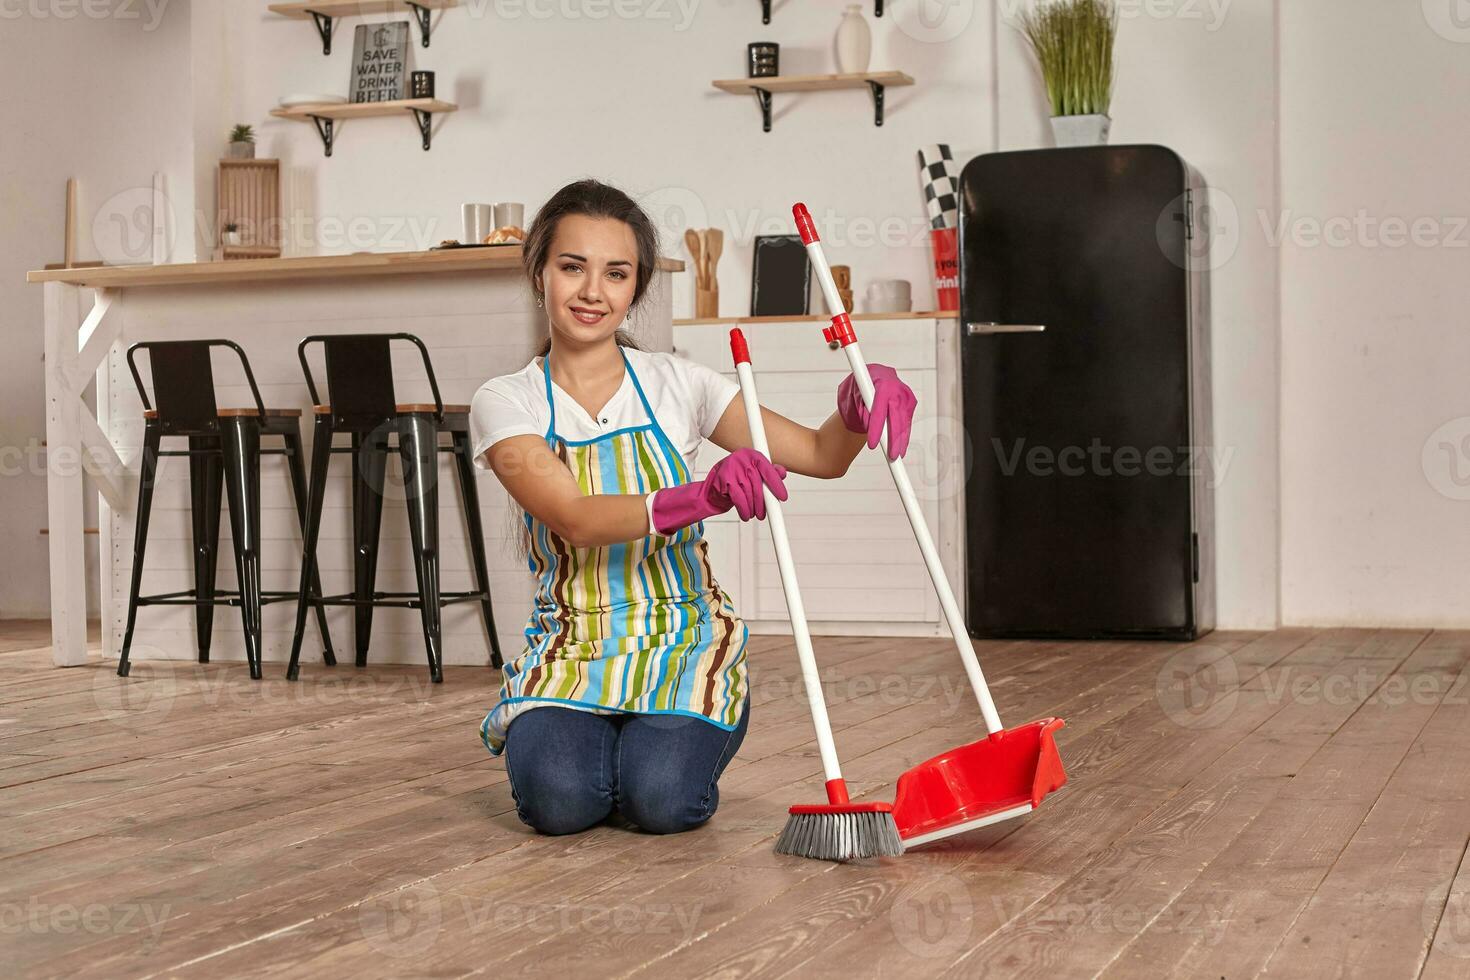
column 1073, row 44
column 232, row 234
column 242, row 142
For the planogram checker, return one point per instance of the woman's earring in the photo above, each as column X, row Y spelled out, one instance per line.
column 538, row 302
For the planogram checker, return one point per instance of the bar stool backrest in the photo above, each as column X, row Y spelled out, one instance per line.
column 183, row 383
column 360, row 378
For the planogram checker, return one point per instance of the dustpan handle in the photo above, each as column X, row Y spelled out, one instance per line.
column 777, row 522
column 841, row 332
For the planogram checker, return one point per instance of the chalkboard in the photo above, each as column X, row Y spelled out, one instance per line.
column 781, row 283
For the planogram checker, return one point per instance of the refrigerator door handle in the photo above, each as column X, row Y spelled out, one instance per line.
column 973, row 329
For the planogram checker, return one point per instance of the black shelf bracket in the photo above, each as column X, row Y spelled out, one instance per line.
column 422, row 14
column 877, row 102
column 324, row 28
column 766, row 10
column 425, row 119
column 326, row 130
column 763, row 97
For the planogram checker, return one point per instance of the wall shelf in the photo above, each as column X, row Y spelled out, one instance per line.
column 325, row 11
column 325, row 114
column 762, row 88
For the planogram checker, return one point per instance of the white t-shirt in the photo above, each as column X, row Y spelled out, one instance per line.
column 687, row 398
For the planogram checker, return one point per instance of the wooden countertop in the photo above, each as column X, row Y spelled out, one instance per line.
column 503, row 258
column 736, row 321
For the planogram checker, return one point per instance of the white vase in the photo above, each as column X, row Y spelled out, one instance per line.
column 854, row 40
column 1091, row 130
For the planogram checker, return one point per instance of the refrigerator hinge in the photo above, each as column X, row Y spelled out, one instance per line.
column 1194, row 554
column 1189, row 214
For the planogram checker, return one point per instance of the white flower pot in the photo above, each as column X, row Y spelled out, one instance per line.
column 232, row 238
column 1081, row 130
column 242, row 150
column 854, row 41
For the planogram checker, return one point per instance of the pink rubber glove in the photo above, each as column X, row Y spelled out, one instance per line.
column 735, row 481
column 893, row 403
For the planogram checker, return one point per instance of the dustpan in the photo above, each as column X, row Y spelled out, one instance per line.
column 1007, row 773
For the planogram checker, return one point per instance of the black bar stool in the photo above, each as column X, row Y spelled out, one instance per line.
column 224, row 448
column 362, row 404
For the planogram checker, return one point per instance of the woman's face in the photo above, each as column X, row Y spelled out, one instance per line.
column 588, row 278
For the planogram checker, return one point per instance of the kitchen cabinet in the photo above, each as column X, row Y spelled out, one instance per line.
column 860, row 569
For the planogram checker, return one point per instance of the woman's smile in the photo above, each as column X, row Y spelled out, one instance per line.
column 587, row 315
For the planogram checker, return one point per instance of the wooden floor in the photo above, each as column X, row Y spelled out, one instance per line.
column 1294, row 803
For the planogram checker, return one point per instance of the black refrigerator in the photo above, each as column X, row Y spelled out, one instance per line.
column 1084, row 351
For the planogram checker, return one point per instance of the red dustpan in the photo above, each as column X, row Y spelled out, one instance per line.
column 998, row 777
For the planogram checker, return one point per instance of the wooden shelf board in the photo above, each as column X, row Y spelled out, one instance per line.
column 352, row 8
column 356, row 110
column 812, row 83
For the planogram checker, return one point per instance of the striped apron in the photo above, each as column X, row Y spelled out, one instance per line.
column 634, row 627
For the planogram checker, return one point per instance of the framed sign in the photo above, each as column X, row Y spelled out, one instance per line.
column 781, row 282
column 379, row 62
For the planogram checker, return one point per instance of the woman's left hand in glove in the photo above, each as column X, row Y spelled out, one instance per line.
column 893, row 404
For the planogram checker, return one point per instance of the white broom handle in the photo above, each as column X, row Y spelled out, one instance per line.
column 911, row 506
column 777, row 522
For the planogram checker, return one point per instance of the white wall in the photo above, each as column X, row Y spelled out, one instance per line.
column 547, row 99
column 1376, row 338
column 1201, row 80
column 1335, row 369
column 99, row 98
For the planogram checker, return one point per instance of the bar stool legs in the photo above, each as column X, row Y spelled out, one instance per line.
column 369, row 470
column 241, row 439
column 418, row 445
column 297, row 470
column 471, row 499
column 321, row 455
column 205, row 489
column 147, row 476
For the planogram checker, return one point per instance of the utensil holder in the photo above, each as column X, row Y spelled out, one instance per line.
column 707, row 303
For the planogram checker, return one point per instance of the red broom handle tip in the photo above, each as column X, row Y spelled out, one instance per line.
column 738, row 348
column 804, row 223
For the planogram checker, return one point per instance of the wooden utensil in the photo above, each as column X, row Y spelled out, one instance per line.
column 716, row 246
column 692, row 242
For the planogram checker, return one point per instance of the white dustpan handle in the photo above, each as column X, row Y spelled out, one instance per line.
column 777, row 522
column 900, row 476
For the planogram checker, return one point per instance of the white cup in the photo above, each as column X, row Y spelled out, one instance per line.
column 889, row 296
column 508, row 214
column 470, row 224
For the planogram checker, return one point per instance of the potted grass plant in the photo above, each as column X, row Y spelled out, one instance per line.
column 1073, row 44
column 242, row 142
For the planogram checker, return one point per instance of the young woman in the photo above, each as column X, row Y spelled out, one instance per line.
column 634, row 659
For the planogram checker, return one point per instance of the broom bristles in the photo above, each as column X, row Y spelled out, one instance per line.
column 841, row 835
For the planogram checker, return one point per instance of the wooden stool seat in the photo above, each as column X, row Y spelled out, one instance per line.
column 235, row 413
column 406, row 408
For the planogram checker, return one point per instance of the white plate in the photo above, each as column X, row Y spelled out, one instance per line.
column 304, row 98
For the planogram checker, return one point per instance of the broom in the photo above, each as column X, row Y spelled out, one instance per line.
column 840, row 830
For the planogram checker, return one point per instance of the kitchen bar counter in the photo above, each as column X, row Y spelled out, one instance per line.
column 493, row 258
column 472, row 308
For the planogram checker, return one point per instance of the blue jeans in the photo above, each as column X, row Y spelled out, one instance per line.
column 570, row 769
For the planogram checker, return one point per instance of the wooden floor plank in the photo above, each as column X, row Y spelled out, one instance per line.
column 1261, row 792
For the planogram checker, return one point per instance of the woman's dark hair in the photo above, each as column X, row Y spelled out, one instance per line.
column 593, row 199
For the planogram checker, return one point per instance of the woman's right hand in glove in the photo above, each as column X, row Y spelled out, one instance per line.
column 736, row 481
